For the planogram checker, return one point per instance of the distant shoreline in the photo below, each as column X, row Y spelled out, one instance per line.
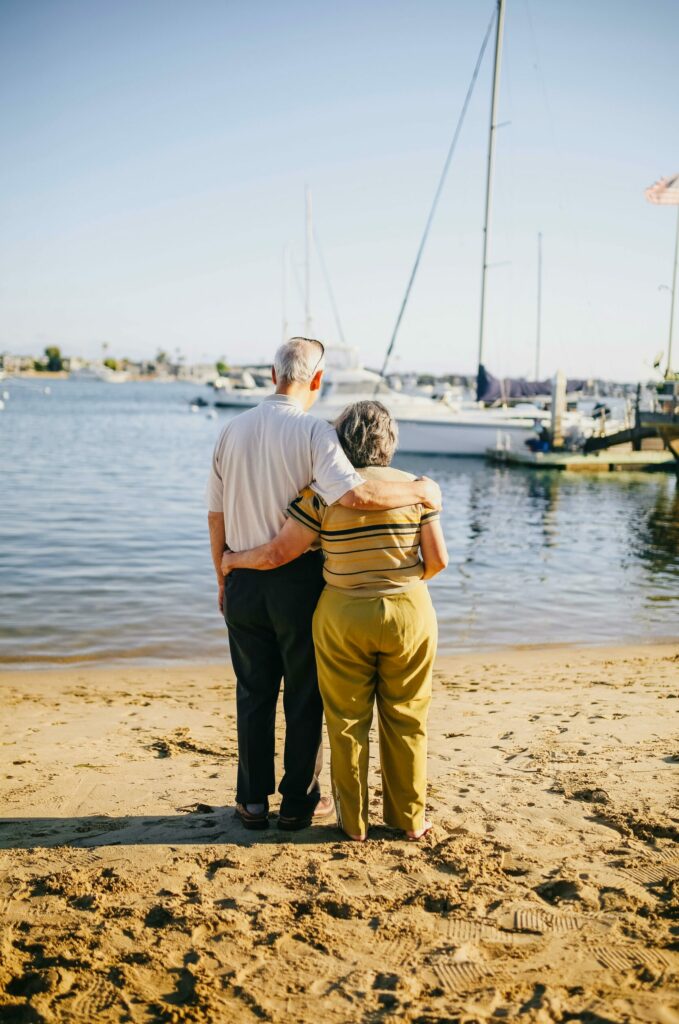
column 131, row 378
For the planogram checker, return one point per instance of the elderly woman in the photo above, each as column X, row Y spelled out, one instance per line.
column 374, row 627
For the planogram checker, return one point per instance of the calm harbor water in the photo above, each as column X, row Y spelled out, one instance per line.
column 104, row 553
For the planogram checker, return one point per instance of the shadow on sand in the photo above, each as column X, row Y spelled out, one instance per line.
column 216, row 825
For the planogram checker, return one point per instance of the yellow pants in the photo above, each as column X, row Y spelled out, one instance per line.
column 367, row 649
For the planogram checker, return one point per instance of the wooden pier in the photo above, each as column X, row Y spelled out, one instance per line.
column 650, row 445
column 605, row 461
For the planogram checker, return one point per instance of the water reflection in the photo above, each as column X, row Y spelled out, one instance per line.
column 543, row 492
column 551, row 557
column 654, row 535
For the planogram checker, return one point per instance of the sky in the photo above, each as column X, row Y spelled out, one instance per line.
column 155, row 156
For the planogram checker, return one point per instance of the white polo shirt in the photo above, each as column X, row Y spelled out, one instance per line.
column 262, row 460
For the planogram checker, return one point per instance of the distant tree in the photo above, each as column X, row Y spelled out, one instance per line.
column 111, row 363
column 161, row 357
column 54, row 360
column 222, row 368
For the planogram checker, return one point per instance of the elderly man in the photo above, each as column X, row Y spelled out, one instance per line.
column 261, row 461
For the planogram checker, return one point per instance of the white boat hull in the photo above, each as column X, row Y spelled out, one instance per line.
column 241, row 399
column 426, row 427
column 469, row 434
column 440, row 437
column 100, row 375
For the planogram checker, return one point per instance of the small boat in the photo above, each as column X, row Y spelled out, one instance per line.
column 99, row 372
column 241, row 391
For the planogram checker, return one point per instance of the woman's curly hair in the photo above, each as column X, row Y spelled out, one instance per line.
column 368, row 434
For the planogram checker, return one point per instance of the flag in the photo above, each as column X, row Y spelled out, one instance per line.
column 665, row 191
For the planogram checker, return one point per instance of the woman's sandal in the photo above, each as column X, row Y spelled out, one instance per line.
column 325, row 808
column 413, row 837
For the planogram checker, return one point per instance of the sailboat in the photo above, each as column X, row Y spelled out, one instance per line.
column 443, row 427
column 426, row 426
column 447, row 426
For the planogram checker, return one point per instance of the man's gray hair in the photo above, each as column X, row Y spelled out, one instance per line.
column 368, row 434
column 298, row 360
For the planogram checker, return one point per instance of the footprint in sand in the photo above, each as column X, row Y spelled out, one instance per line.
column 461, row 977
column 95, row 999
column 539, row 922
column 629, row 957
column 55, row 982
column 399, row 951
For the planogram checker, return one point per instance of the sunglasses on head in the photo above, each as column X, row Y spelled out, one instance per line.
column 315, row 341
column 320, row 358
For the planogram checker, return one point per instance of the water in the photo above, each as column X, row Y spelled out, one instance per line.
column 104, row 551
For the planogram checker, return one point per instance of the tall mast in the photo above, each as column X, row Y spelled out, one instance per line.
column 307, row 266
column 284, row 291
column 499, row 30
column 539, row 318
column 674, row 295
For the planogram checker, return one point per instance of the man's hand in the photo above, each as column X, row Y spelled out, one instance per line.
column 227, row 565
column 431, row 493
column 217, row 545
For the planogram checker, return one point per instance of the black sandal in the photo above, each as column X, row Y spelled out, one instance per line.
column 252, row 821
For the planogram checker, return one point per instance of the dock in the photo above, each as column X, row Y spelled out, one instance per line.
column 605, row 461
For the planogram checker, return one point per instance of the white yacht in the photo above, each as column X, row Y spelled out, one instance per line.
column 240, row 392
column 99, row 372
column 435, row 423
column 429, row 427
column 426, row 426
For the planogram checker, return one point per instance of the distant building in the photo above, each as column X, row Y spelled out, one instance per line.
column 200, row 373
column 17, row 364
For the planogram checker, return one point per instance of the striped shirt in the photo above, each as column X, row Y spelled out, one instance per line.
column 367, row 553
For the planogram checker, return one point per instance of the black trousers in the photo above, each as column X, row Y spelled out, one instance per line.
column 268, row 615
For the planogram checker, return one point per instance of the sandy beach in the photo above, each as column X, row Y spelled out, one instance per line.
column 548, row 890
